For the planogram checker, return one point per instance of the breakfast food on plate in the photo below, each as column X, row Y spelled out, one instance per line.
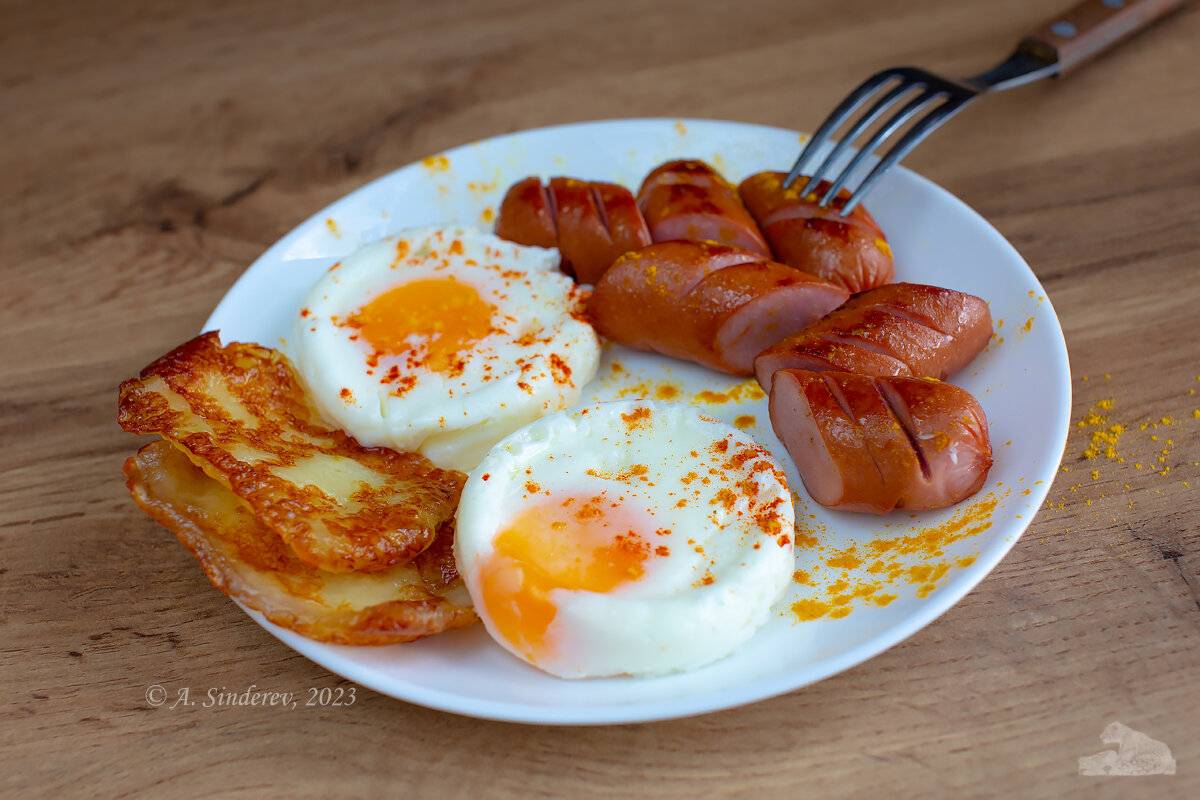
column 690, row 200
column 874, row 444
column 590, row 222
column 851, row 251
column 239, row 414
column 625, row 538
column 716, row 305
column 250, row 562
column 442, row 342
column 899, row 329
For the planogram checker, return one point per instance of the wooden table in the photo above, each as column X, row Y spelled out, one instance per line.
column 151, row 151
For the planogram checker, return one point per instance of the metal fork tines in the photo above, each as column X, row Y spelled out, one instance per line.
column 941, row 98
column 1071, row 38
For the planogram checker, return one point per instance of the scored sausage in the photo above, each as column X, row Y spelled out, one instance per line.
column 590, row 222
column 690, row 200
column 527, row 215
column 705, row 302
column 906, row 329
column 851, row 251
column 874, row 444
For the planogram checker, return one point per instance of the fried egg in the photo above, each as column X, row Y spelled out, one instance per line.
column 625, row 538
column 443, row 341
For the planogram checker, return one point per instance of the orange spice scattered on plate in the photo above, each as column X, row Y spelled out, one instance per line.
column 849, row 576
column 744, row 391
column 436, row 163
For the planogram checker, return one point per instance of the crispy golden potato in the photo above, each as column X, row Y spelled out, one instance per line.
column 250, row 562
column 240, row 414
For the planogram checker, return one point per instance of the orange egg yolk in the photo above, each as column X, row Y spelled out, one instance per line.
column 582, row 544
column 444, row 316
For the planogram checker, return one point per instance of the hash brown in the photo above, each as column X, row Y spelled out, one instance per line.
column 239, row 413
column 248, row 561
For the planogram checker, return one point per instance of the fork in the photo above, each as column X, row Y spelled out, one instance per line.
column 1053, row 49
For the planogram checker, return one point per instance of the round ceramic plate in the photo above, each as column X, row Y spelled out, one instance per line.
column 863, row 583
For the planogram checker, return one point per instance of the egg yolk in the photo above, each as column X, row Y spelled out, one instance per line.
column 577, row 544
column 443, row 315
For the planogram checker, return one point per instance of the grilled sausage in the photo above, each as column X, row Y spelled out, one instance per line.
column 871, row 444
column 704, row 302
column 590, row 222
column 527, row 215
column 851, row 251
column 583, row 239
column 903, row 329
column 690, row 200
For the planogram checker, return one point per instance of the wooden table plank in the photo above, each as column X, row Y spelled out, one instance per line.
column 152, row 151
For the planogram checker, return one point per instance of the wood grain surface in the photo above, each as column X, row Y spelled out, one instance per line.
column 150, row 151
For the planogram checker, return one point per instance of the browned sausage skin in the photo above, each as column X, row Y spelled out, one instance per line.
column 690, row 200
column 850, row 251
column 904, row 329
column 587, row 249
column 621, row 216
column 590, row 222
column 704, row 302
column 527, row 215
column 874, row 444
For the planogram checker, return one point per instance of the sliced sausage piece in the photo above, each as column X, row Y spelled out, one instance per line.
column 638, row 301
column 743, row 308
column 590, row 222
column 850, row 251
column 826, row 443
column 587, row 249
column 768, row 202
column 950, row 434
column 872, row 445
column 906, row 329
column 626, row 226
column 690, row 200
column 527, row 215
column 705, row 302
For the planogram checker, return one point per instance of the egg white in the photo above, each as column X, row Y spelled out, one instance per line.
column 724, row 570
column 506, row 381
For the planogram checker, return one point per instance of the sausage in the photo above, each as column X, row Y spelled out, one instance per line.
column 874, row 444
column 906, row 329
column 527, row 215
column 851, row 251
column 590, row 222
column 621, row 215
column 587, row 249
column 705, row 302
column 690, row 200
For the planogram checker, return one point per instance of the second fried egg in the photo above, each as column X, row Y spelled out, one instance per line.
column 625, row 538
column 443, row 341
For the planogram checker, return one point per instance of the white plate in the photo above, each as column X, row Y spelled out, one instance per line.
column 1023, row 384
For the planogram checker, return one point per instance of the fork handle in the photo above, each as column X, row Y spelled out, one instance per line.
column 1092, row 27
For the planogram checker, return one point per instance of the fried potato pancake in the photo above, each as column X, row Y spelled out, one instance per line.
column 239, row 413
column 248, row 561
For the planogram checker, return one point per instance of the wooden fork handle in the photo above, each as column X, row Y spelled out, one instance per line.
column 1092, row 27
